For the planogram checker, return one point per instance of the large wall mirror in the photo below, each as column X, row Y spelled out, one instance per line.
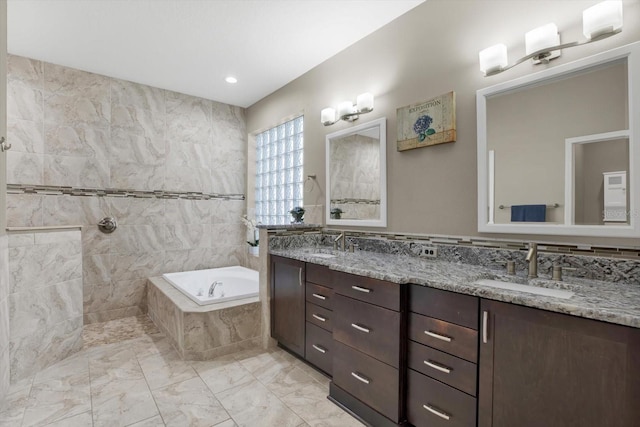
column 357, row 175
column 558, row 151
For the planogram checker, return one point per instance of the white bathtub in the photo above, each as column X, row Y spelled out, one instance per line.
column 234, row 283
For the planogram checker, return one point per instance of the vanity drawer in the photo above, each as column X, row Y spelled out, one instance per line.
column 429, row 403
column 320, row 316
column 371, row 329
column 444, row 336
column 444, row 367
column 448, row 306
column 320, row 275
column 319, row 347
column 320, row 295
column 369, row 380
column 374, row 291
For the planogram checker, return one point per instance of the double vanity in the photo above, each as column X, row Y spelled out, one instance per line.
column 411, row 339
column 424, row 342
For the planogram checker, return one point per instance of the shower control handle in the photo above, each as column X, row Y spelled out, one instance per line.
column 3, row 144
column 107, row 225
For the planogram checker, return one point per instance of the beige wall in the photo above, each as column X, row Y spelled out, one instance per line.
column 425, row 53
column 527, row 130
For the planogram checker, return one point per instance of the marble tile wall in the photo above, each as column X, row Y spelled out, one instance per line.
column 44, row 300
column 4, row 317
column 78, row 129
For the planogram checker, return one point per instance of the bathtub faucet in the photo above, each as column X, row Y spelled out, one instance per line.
column 212, row 288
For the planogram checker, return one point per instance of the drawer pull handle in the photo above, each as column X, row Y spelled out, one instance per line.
column 320, row 318
column 320, row 349
column 360, row 378
column 485, row 322
column 438, row 336
column 437, row 366
column 437, row 412
column 359, row 289
column 360, row 328
column 322, row 297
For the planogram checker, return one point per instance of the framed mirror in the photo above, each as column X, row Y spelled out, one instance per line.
column 357, row 175
column 558, row 151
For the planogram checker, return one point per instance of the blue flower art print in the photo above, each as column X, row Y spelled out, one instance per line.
column 422, row 127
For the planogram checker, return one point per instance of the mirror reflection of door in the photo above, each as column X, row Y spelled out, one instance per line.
column 600, row 183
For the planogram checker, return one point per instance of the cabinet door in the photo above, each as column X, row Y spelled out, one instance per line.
column 287, row 303
column 539, row 368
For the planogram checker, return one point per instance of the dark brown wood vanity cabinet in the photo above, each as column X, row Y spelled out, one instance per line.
column 442, row 358
column 539, row 368
column 319, row 318
column 288, row 303
column 369, row 327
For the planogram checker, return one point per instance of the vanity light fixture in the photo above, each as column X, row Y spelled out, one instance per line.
column 543, row 43
column 347, row 111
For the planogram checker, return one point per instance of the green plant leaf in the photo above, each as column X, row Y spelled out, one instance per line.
column 430, row 131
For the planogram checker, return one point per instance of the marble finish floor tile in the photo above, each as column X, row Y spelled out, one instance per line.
column 189, row 403
column 222, row 374
column 15, row 403
column 162, row 370
column 252, row 404
column 57, row 399
column 80, row 420
column 128, row 374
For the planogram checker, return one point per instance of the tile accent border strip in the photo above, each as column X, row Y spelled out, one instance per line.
column 117, row 192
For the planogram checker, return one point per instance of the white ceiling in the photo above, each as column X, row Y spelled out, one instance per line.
column 190, row 46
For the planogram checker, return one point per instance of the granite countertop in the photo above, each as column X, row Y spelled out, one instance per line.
column 610, row 302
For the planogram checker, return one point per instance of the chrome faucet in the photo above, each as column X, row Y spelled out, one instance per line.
column 212, row 288
column 532, row 258
column 341, row 238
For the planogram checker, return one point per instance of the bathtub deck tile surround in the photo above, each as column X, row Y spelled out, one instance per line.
column 203, row 332
column 107, row 384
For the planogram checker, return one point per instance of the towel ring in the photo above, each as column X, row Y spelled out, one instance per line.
column 313, row 180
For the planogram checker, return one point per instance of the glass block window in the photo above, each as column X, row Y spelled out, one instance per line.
column 279, row 172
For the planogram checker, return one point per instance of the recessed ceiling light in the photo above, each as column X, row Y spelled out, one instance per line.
column 231, row 80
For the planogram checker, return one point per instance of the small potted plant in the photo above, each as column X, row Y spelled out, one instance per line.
column 252, row 232
column 336, row 213
column 298, row 215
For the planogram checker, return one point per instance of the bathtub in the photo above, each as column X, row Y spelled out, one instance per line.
column 234, row 283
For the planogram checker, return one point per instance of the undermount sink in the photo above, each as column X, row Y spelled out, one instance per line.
column 320, row 255
column 556, row 293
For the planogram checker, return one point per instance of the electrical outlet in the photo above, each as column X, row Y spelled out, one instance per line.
column 429, row 252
